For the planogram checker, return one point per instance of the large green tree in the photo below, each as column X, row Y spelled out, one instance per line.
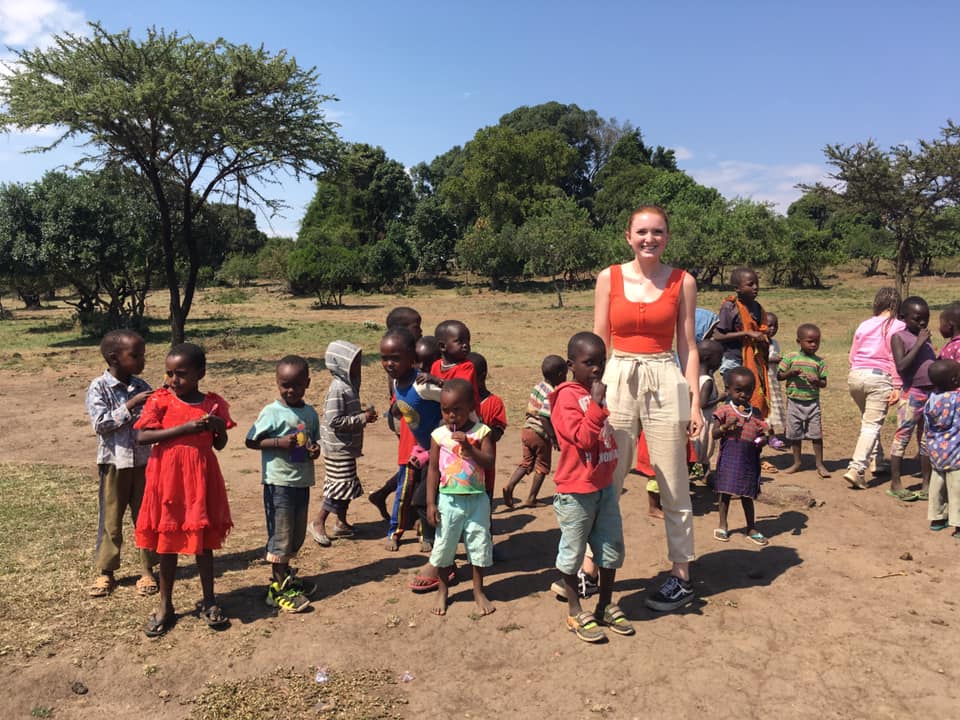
column 192, row 119
column 906, row 188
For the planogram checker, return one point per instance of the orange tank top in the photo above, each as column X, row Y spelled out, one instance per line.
column 637, row 327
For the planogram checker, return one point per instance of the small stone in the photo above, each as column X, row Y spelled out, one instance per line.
column 79, row 688
column 906, row 556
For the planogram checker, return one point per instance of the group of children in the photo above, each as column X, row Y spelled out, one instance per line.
column 448, row 424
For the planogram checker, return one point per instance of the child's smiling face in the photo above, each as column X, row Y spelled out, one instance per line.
column 397, row 360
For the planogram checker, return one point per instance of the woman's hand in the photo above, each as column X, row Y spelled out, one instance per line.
column 696, row 422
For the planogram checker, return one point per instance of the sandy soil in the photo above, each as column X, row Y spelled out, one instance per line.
column 827, row 621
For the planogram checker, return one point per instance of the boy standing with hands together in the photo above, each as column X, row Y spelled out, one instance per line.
column 805, row 374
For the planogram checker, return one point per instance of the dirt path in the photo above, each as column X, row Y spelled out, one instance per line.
column 826, row 622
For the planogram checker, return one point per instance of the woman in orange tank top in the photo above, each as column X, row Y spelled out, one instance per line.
column 640, row 307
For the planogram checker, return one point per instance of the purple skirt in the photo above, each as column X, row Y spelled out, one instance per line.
column 738, row 468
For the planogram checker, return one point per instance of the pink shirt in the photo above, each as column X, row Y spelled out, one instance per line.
column 951, row 351
column 871, row 346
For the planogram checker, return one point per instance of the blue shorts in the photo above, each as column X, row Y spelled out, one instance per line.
column 286, row 509
column 468, row 517
column 589, row 519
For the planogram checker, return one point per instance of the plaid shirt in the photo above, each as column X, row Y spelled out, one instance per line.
column 113, row 423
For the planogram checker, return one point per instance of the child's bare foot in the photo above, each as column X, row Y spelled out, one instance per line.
column 392, row 544
column 508, row 497
column 792, row 469
column 655, row 512
column 441, row 608
column 380, row 503
column 426, row 546
column 483, row 604
column 527, row 504
column 822, row 471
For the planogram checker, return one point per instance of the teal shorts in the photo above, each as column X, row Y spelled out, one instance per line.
column 589, row 519
column 466, row 517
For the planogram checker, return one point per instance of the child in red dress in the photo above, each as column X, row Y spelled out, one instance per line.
column 185, row 508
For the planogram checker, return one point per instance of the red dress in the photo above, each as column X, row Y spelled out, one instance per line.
column 494, row 415
column 185, row 508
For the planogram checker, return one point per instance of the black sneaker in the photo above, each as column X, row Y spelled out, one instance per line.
column 304, row 587
column 673, row 594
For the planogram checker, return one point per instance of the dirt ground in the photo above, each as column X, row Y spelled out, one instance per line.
column 828, row 621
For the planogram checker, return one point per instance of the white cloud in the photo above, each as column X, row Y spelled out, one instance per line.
column 31, row 23
column 682, row 153
column 758, row 181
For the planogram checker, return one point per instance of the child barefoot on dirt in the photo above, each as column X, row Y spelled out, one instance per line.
column 913, row 355
column 461, row 451
column 537, row 437
column 805, row 374
column 286, row 433
column 341, row 438
column 418, row 407
column 942, row 419
column 742, row 433
column 185, row 509
column 586, row 502
column 113, row 404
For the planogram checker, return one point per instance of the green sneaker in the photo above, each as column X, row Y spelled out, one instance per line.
column 304, row 587
column 286, row 598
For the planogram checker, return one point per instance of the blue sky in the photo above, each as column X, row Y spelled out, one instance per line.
column 748, row 93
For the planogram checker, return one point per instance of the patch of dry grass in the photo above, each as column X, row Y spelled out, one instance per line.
column 359, row 694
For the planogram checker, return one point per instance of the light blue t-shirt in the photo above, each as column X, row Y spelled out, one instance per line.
column 283, row 467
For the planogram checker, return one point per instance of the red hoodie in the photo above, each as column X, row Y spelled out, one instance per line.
column 588, row 453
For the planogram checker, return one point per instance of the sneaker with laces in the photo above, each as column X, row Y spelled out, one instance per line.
column 855, row 478
column 673, row 594
column 286, row 598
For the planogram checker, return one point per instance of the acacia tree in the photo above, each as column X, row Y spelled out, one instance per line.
column 191, row 118
column 906, row 188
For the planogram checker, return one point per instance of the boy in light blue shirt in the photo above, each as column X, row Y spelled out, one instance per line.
column 286, row 434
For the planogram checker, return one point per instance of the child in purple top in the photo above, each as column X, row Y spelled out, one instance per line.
column 913, row 354
column 942, row 415
column 950, row 329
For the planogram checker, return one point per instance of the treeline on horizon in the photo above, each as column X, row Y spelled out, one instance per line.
column 545, row 192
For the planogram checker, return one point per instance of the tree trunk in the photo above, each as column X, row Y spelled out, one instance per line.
column 558, row 284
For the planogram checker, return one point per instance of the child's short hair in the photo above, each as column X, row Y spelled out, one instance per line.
column 402, row 316
column 943, row 374
column 914, row 301
column 479, row 363
column 739, row 372
column 887, row 298
column 446, row 327
column 767, row 315
column 193, row 354
column 951, row 313
column 404, row 336
column 805, row 328
column 736, row 277
column 585, row 338
column 552, row 365
column 461, row 388
column 295, row 361
column 112, row 341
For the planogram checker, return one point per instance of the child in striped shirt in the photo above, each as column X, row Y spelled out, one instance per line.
column 805, row 373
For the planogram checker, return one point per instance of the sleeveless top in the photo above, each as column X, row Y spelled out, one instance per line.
column 646, row 328
column 917, row 375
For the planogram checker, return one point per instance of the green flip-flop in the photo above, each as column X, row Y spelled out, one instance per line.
column 903, row 494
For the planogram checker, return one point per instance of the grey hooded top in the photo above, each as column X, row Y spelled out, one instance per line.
column 341, row 431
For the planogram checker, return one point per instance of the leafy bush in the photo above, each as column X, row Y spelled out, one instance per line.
column 238, row 270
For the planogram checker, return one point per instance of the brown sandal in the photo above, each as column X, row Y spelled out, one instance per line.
column 102, row 586
column 147, row 586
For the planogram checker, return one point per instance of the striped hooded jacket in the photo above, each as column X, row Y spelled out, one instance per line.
column 341, row 430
